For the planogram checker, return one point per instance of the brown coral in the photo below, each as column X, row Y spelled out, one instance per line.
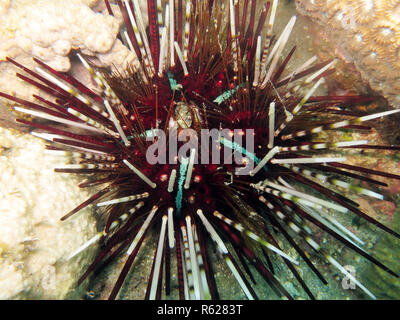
column 366, row 33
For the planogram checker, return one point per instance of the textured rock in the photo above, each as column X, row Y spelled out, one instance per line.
column 34, row 243
column 366, row 33
column 49, row 30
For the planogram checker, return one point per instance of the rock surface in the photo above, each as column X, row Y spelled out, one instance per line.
column 34, row 243
column 49, row 30
column 363, row 32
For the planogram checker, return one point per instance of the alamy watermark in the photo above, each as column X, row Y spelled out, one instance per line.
column 215, row 146
column 347, row 282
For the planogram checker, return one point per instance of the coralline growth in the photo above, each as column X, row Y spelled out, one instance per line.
column 366, row 33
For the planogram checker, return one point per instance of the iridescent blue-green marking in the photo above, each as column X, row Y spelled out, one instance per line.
column 172, row 82
column 182, row 176
column 235, row 146
column 227, row 94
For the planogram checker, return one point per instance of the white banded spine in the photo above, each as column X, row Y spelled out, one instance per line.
column 124, row 199
column 157, row 264
column 140, row 174
column 56, row 119
column 253, row 236
column 187, row 30
column 216, row 238
column 142, row 230
column 309, row 160
column 81, row 155
column 90, row 166
column 190, row 168
column 188, row 264
column 339, row 124
column 93, row 123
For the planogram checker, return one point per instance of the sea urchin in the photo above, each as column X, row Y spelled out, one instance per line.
column 205, row 71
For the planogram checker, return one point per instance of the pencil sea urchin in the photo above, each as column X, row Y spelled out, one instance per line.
column 204, row 66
